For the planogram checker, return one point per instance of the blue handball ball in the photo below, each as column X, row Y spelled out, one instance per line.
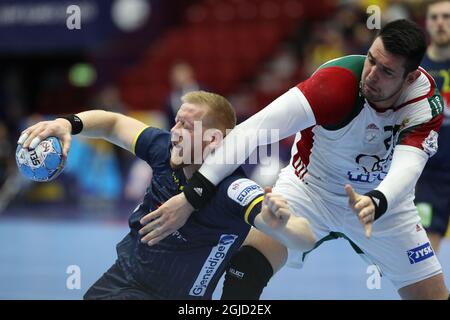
column 44, row 163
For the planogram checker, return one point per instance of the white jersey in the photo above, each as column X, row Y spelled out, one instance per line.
column 359, row 150
column 341, row 138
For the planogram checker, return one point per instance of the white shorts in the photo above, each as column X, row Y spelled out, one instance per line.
column 399, row 245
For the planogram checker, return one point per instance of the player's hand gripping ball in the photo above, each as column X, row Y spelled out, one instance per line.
column 44, row 163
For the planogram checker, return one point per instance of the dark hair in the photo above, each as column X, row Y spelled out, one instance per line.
column 405, row 38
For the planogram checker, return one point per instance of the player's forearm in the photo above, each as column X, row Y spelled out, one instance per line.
column 113, row 127
column 298, row 234
column 406, row 167
column 285, row 116
column 97, row 123
column 295, row 234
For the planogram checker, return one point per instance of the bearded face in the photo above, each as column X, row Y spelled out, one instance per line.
column 438, row 23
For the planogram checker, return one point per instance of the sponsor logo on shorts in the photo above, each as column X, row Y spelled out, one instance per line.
column 420, row 253
column 243, row 191
column 212, row 264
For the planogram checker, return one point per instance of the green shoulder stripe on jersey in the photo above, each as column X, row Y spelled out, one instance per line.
column 436, row 103
column 354, row 63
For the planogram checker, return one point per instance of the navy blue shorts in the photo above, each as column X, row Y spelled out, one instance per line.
column 433, row 204
column 114, row 285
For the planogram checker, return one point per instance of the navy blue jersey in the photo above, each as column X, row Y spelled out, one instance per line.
column 188, row 263
column 439, row 164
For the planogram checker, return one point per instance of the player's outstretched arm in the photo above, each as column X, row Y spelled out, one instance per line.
column 277, row 221
column 116, row 128
column 113, row 127
column 407, row 165
column 288, row 114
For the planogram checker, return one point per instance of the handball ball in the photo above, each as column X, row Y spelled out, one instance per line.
column 44, row 163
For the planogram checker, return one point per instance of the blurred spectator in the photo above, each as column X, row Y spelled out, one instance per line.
column 98, row 170
column 244, row 102
column 397, row 9
column 99, row 167
column 95, row 168
column 182, row 78
column 326, row 44
column 277, row 75
column 109, row 99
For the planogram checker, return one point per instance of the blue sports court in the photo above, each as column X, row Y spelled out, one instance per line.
column 36, row 253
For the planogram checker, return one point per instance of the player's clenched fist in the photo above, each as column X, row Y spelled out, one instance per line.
column 33, row 135
column 275, row 209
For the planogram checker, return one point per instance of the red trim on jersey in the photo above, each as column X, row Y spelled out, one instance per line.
column 300, row 160
column 332, row 93
column 418, row 134
column 427, row 95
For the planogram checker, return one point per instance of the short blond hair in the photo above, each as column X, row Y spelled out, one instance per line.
column 221, row 113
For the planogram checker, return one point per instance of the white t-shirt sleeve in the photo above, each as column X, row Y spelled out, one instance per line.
column 288, row 114
column 406, row 167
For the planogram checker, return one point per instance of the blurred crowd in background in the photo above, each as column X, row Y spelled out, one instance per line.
column 250, row 51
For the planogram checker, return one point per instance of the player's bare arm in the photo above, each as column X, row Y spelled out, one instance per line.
column 113, row 127
column 291, row 105
column 277, row 221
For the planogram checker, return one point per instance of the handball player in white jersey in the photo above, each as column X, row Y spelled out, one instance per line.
column 365, row 127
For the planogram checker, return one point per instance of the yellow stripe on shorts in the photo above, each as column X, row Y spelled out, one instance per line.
column 133, row 147
column 251, row 206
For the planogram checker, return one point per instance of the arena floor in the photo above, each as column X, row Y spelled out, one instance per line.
column 35, row 254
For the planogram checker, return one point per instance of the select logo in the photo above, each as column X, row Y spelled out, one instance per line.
column 420, row 253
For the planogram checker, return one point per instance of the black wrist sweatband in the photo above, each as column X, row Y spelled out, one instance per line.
column 199, row 190
column 379, row 201
column 75, row 121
